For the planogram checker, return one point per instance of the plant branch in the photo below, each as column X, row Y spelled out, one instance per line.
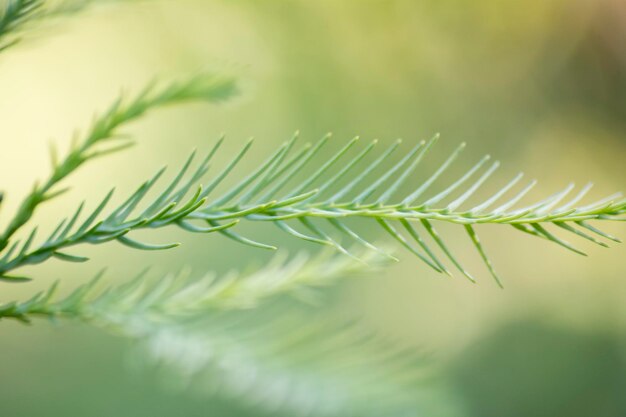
column 105, row 131
column 305, row 210
column 179, row 296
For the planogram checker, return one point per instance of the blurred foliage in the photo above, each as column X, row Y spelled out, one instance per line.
column 539, row 84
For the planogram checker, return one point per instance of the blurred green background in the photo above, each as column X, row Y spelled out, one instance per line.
column 540, row 85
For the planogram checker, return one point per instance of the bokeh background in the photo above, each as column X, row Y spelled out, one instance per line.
column 540, row 85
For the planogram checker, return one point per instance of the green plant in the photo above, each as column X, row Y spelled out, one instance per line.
column 177, row 317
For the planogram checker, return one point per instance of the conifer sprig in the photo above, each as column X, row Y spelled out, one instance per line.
column 372, row 190
column 103, row 136
column 199, row 328
column 216, row 335
column 175, row 298
column 318, row 208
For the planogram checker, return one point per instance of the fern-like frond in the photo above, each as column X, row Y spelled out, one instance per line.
column 318, row 208
column 103, row 136
column 199, row 330
column 371, row 189
column 177, row 297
